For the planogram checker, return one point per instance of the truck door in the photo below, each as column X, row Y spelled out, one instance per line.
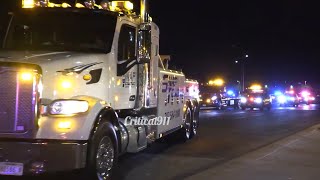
column 126, row 88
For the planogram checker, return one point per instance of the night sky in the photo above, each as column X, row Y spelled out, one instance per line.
column 206, row 37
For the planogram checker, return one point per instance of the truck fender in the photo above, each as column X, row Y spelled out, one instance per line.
column 107, row 114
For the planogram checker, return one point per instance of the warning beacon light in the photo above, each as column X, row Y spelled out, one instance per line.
column 116, row 6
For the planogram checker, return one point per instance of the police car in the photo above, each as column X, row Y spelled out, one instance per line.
column 256, row 98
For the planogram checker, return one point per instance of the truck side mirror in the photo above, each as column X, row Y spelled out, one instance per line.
column 144, row 44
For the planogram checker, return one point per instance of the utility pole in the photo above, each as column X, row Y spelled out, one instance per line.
column 243, row 61
column 242, row 79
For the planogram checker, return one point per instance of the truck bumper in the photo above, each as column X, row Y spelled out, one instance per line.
column 44, row 156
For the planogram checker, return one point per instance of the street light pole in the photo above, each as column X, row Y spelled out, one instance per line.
column 242, row 70
column 239, row 88
column 242, row 79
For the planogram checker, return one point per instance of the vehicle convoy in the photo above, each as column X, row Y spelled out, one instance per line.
column 255, row 98
column 84, row 84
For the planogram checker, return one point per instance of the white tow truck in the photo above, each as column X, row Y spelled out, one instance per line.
column 82, row 84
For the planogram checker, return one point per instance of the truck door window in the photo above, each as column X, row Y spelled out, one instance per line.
column 126, row 49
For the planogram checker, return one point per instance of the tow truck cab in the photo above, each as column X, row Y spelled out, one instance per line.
column 72, row 79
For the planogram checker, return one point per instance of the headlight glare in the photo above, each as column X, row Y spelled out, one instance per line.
column 214, row 98
column 68, row 107
column 282, row 99
column 258, row 100
column 243, row 100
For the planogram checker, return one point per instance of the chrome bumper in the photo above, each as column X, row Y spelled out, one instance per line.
column 44, row 156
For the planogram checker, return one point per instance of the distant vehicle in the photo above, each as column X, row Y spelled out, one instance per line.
column 317, row 100
column 211, row 100
column 289, row 99
column 210, row 97
column 306, row 97
column 255, row 100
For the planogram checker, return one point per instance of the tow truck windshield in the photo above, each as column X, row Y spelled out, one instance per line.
column 56, row 30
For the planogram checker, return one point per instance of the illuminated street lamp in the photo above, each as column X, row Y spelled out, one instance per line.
column 242, row 61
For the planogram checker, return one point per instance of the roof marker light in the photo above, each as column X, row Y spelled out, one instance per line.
column 121, row 5
column 65, row 5
column 28, row 3
column 90, row 4
column 79, row 5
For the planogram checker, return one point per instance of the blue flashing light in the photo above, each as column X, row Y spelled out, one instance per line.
column 230, row 93
column 278, row 93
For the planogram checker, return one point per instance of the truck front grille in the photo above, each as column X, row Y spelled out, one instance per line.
column 18, row 99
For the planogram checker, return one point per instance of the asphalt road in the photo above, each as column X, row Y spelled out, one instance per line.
column 222, row 135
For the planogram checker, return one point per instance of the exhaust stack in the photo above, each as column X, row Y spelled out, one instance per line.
column 144, row 11
column 144, row 57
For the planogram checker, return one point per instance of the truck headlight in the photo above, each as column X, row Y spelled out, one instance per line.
column 68, row 107
column 214, row 98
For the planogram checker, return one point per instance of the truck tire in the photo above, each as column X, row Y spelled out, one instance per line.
column 184, row 133
column 103, row 154
column 196, row 111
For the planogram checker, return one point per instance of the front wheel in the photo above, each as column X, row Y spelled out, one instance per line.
column 105, row 158
column 102, row 154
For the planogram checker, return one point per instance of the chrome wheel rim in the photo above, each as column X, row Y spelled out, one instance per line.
column 188, row 124
column 104, row 158
column 195, row 122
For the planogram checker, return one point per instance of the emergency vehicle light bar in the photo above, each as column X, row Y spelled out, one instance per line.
column 116, row 6
column 43, row 3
